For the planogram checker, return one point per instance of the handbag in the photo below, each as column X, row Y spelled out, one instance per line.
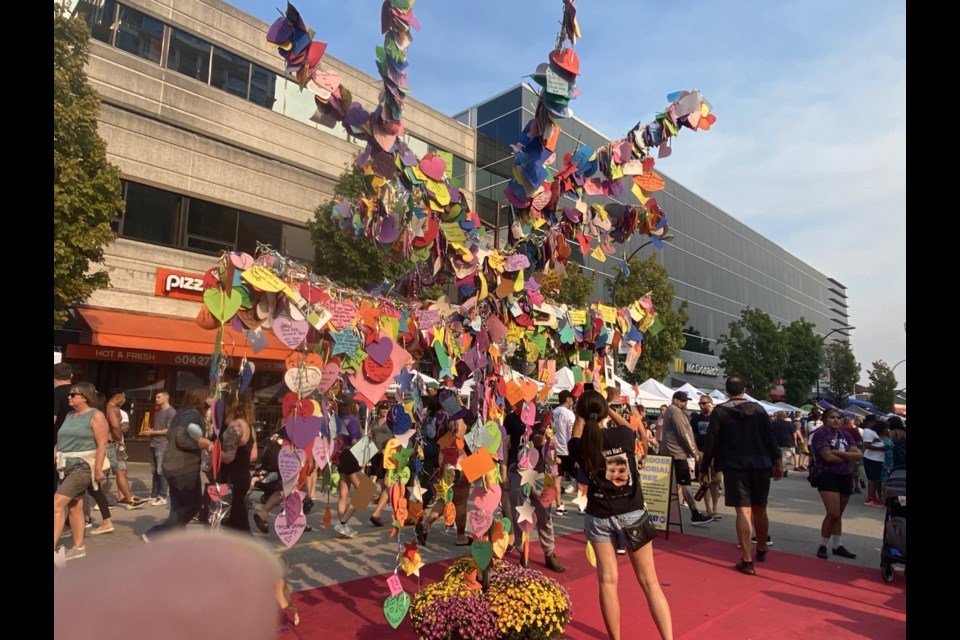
column 641, row 532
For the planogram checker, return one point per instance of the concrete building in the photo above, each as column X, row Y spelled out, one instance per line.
column 717, row 264
column 217, row 151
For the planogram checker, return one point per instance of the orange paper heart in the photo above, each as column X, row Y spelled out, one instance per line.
column 528, row 389
column 650, row 181
column 450, row 514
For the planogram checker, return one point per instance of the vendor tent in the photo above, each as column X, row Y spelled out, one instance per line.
column 718, row 396
column 790, row 408
column 657, row 389
column 691, row 391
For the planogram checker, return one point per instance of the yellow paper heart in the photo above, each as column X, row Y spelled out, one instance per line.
column 440, row 192
column 591, row 555
column 500, row 547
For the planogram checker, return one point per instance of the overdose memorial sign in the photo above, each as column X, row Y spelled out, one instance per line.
column 655, row 481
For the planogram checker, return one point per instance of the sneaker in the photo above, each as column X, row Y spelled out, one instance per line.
column 88, row 523
column 132, row 504
column 877, row 503
column 746, row 567
column 145, row 538
column 158, row 502
column 345, row 530
column 700, row 518
column 59, row 559
column 561, row 510
column 621, row 551
column 822, row 551
column 769, row 540
column 843, row 553
column 75, row 553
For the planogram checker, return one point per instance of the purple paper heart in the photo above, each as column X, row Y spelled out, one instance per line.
column 407, row 157
column 302, row 430
column 292, row 507
column 383, row 165
column 356, row 116
column 388, row 230
column 480, row 521
column 516, row 262
column 380, row 350
column 531, row 285
column 291, row 332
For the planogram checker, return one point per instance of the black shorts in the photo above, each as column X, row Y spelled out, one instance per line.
column 834, row 483
column 376, row 467
column 348, row 464
column 746, row 488
column 567, row 466
column 681, row 471
column 873, row 469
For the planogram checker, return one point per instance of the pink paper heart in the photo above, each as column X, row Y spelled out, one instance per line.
column 533, row 457
column 291, row 332
column 292, row 507
column 241, row 260
column 322, row 450
column 343, row 313
column 488, row 499
column 290, row 533
column 331, row 371
column 433, row 167
column 529, row 414
column 290, row 462
column 380, row 350
column 480, row 521
column 516, row 262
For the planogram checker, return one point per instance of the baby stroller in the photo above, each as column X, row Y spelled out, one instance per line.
column 894, row 548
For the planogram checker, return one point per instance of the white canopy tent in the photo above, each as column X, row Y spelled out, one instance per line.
column 769, row 408
column 789, row 407
column 692, row 391
column 657, row 389
column 718, row 396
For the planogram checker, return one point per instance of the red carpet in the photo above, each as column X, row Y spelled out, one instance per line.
column 791, row 597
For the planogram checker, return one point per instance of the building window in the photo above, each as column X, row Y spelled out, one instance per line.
column 230, row 73
column 99, row 16
column 253, row 229
column 139, row 34
column 189, row 55
column 151, row 214
column 263, row 87
column 211, row 227
column 297, row 243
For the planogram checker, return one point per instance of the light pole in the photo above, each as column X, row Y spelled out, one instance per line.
column 667, row 238
column 822, row 341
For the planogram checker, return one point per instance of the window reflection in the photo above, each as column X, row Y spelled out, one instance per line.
column 139, row 34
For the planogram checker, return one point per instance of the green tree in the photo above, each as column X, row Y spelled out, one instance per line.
column 753, row 348
column 804, row 360
column 659, row 349
column 844, row 372
column 577, row 287
column 883, row 385
column 86, row 187
column 357, row 262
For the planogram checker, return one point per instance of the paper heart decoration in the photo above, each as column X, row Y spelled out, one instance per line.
column 433, row 167
column 331, row 371
column 289, row 462
column 290, row 533
column 493, row 431
column 290, row 332
column 322, row 450
column 533, row 457
column 529, row 414
column 516, row 262
column 221, row 306
column 488, row 499
column 380, row 350
column 292, row 507
column 480, row 521
column 303, row 429
column 649, row 182
column 218, row 492
column 343, row 313
column 303, row 380
column 376, row 372
column 395, row 608
column 482, row 553
column 241, row 260
column 500, row 546
column 528, row 390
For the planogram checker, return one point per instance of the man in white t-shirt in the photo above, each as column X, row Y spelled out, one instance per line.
column 563, row 419
column 873, row 455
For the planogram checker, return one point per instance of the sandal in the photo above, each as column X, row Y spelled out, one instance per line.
column 377, row 522
column 463, row 543
column 746, row 567
column 261, row 523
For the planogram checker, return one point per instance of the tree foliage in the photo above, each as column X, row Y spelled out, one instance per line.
column 804, row 360
column 87, row 194
column 844, row 372
column 883, row 385
column 577, row 287
column 650, row 277
column 357, row 262
column 753, row 348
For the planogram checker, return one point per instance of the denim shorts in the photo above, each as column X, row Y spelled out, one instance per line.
column 116, row 456
column 610, row 529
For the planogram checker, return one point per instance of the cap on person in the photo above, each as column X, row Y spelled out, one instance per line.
column 681, row 395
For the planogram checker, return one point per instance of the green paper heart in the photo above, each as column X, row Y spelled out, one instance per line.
column 402, row 457
column 403, row 475
column 221, row 306
column 506, row 524
column 448, row 495
column 402, row 5
column 494, row 431
column 246, row 301
column 567, row 335
column 482, row 553
column 395, row 608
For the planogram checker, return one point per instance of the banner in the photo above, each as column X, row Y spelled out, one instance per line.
column 655, row 481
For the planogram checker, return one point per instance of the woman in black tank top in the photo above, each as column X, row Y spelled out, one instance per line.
column 238, row 448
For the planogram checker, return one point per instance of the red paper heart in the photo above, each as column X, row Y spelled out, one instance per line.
column 376, row 372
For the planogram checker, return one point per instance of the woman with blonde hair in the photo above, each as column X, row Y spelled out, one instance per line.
column 80, row 454
column 238, row 448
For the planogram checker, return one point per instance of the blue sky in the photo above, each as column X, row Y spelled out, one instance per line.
column 810, row 97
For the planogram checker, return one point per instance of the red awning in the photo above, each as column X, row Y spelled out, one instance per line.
column 161, row 333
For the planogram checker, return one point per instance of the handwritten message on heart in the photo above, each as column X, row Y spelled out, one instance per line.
column 291, row 332
column 377, row 372
column 290, row 533
column 395, row 608
column 289, row 462
column 331, row 371
column 292, row 507
column 322, row 450
column 488, row 499
column 480, row 521
column 343, row 313
column 303, row 380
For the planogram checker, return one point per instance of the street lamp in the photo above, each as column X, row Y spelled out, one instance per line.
column 667, row 238
column 822, row 341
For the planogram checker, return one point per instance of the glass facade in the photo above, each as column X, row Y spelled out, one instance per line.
column 718, row 265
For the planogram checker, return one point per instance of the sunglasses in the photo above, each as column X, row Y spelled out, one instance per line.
column 76, row 393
